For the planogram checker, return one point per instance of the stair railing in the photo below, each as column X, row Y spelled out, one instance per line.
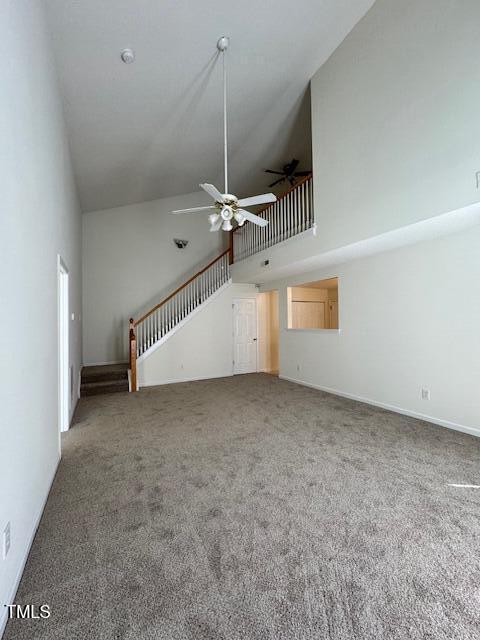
column 165, row 316
column 290, row 215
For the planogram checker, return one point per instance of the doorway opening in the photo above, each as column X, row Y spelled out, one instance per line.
column 63, row 348
column 244, row 336
column 268, row 332
column 313, row 305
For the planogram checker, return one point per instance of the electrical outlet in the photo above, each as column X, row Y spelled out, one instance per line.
column 298, row 367
column 477, row 179
column 425, row 394
column 6, row 540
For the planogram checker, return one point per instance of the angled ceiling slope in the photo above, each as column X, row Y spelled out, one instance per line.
column 152, row 129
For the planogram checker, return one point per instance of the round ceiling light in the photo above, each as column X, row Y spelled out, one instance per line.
column 127, row 56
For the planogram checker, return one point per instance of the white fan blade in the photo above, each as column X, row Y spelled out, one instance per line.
column 253, row 218
column 263, row 199
column 212, row 191
column 194, row 210
column 216, row 225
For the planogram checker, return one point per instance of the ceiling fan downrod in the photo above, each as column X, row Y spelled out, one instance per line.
column 222, row 46
column 228, row 207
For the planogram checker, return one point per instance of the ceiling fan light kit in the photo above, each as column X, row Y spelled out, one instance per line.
column 227, row 206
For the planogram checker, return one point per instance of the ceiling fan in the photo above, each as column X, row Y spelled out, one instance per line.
column 288, row 173
column 227, row 206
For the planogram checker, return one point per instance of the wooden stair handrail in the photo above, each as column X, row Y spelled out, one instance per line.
column 185, row 284
column 284, row 195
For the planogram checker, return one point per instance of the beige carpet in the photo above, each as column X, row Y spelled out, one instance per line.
column 252, row 508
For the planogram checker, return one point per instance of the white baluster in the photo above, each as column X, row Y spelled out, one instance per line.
column 304, row 206
column 297, row 211
column 273, row 222
column 310, row 203
column 280, row 220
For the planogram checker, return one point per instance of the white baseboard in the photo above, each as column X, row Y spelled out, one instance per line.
column 389, row 407
column 159, row 383
column 16, row 583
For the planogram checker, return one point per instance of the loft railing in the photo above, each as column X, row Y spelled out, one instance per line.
column 291, row 214
column 165, row 316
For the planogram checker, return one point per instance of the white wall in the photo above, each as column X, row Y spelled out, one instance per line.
column 202, row 348
column 409, row 319
column 130, row 262
column 39, row 218
column 395, row 120
column 395, row 128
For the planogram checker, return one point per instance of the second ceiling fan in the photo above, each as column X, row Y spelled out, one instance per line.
column 228, row 207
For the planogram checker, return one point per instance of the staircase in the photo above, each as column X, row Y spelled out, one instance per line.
column 100, row 379
column 158, row 324
column 290, row 215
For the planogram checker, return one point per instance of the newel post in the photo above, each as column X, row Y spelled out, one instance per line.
column 133, row 355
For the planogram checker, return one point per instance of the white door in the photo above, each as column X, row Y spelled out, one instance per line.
column 244, row 336
column 63, row 358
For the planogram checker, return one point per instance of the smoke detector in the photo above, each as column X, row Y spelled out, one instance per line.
column 127, row 56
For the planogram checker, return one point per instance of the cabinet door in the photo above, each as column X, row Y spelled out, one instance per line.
column 308, row 315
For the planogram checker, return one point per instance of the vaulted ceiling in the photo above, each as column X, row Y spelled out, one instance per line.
column 153, row 128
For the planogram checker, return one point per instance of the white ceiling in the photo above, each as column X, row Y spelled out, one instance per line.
column 153, row 128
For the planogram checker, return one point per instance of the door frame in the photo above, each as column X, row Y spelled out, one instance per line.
column 63, row 378
column 234, row 301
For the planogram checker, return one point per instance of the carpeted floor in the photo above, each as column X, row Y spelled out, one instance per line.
column 253, row 508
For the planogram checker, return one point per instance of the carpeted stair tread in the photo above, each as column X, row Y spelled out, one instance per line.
column 100, row 379
column 110, row 386
column 100, row 373
column 104, row 377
